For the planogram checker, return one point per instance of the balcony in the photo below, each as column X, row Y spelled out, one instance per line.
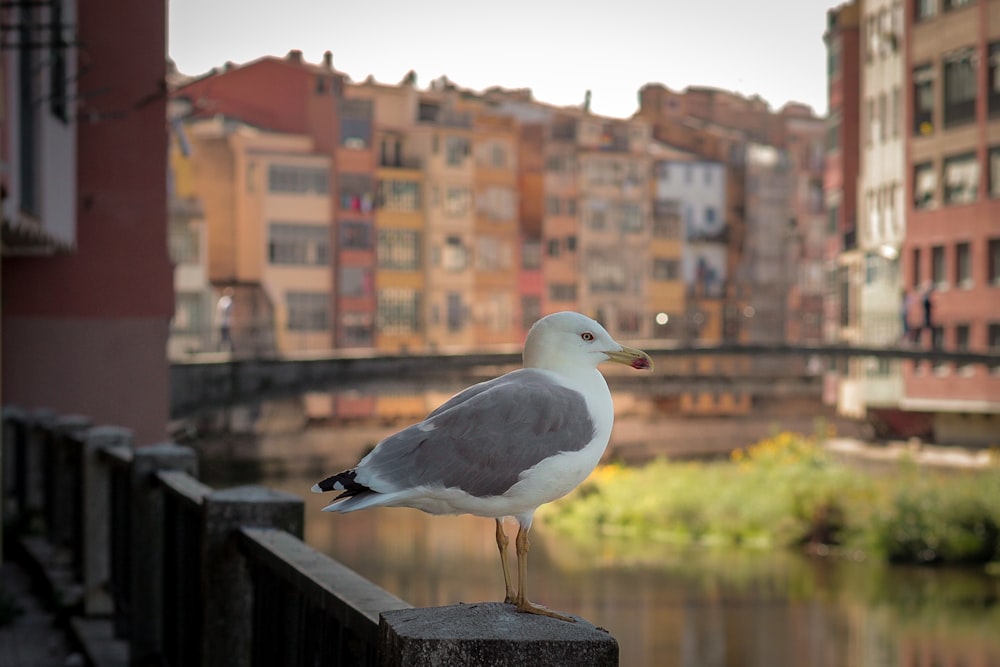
column 720, row 235
column 397, row 162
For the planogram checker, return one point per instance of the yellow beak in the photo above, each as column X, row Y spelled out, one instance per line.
column 630, row 356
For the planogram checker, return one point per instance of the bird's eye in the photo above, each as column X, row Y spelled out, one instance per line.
column 587, row 336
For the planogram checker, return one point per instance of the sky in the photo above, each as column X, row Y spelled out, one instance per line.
column 558, row 48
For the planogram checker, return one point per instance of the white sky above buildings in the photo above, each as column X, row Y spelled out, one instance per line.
column 558, row 48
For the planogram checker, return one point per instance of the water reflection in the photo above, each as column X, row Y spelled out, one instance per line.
column 688, row 608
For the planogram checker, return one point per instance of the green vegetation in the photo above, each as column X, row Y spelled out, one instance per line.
column 787, row 491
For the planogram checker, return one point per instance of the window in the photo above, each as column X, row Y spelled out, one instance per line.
column 570, row 244
column 963, row 265
column 833, row 132
column 356, row 235
column 924, row 9
column 454, row 256
column 597, row 210
column 184, row 244
column 356, row 192
column 923, row 100
column 896, row 112
column 993, row 342
column 956, row 4
column 456, row 312
column 993, row 82
column 959, row 88
column 457, row 201
column 355, row 281
column 294, row 244
column 962, row 343
column 833, row 219
column 553, row 247
column 882, row 121
column 298, row 180
column 493, row 254
column 833, row 57
column 398, row 311
column 915, row 268
column 531, row 254
column 496, row 203
column 58, row 73
column 666, row 219
column 356, row 329
column 551, row 205
column 993, row 262
column 666, row 269
column 937, row 267
column 531, row 311
column 961, row 179
column 456, row 149
column 631, row 217
column 355, row 123
column 308, row 311
column 924, row 186
column 398, row 249
column 189, row 313
column 872, row 122
column 606, row 274
column 994, row 175
column 562, row 292
column 399, row 196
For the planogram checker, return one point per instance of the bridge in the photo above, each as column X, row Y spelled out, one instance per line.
column 216, row 381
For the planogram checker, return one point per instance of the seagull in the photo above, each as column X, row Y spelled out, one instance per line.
column 503, row 447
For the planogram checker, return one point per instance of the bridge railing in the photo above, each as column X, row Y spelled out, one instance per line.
column 156, row 568
column 178, row 573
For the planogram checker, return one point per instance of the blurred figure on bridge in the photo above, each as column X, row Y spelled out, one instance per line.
column 224, row 316
column 905, row 302
column 928, row 308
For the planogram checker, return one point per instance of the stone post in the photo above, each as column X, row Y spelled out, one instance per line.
column 145, row 551
column 40, row 426
column 227, row 589
column 65, row 483
column 489, row 633
column 97, row 600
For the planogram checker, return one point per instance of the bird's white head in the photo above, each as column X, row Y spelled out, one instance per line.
column 566, row 341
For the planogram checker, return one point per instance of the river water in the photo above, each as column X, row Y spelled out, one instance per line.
column 690, row 608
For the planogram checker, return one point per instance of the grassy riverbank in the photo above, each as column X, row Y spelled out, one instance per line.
column 787, row 491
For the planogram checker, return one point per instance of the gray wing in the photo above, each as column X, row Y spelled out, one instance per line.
column 483, row 438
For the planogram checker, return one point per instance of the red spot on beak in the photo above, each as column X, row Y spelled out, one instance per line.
column 641, row 364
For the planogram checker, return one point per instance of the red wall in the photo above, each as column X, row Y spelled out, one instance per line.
column 86, row 331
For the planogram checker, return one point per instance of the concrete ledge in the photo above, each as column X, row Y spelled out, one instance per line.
column 489, row 633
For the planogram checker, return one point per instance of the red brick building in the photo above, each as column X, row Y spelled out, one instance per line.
column 87, row 283
column 952, row 240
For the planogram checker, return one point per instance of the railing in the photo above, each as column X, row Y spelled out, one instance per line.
column 171, row 572
column 181, row 573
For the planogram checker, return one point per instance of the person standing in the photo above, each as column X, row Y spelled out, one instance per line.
column 928, row 307
column 224, row 316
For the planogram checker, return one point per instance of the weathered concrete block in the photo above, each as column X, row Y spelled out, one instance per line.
column 226, row 584
column 489, row 633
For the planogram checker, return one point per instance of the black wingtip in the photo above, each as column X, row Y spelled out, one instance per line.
column 342, row 481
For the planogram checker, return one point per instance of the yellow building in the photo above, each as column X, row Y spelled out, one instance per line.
column 267, row 214
column 400, row 222
column 443, row 137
